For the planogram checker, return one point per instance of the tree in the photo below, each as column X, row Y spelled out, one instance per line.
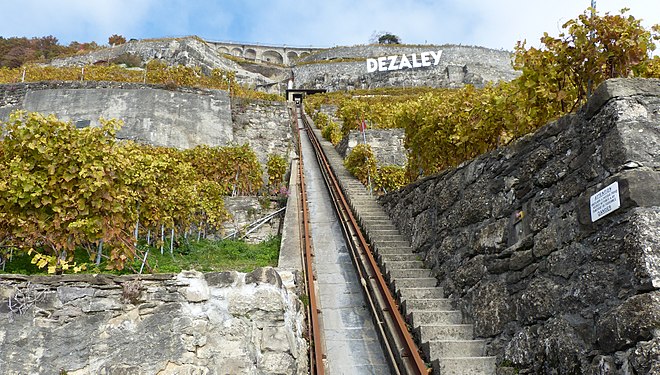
column 389, row 38
column 116, row 40
column 384, row 37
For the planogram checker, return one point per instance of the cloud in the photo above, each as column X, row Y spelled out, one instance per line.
column 494, row 24
column 69, row 20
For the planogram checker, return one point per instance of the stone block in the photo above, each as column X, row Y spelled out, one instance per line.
column 195, row 288
column 632, row 321
column 220, row 279
column 642, row 244
column 619, row 87
column 276, row 339
column 67, row 293
column 539, row 301
column 491, row 238
column 492, row 309
column 261, row 275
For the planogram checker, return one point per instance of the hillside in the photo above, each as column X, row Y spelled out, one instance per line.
column 188, row 51
column 346, row 68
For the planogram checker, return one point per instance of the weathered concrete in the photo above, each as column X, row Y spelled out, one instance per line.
column 151, row 114
column 190, row 323
column 510, row 238
column 182, row 118
column 290, row 249
column 158, row 117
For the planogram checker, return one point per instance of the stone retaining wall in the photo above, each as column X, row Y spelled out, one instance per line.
column 387, row 145
column 264, row 125
column 190, row 323
column 183, row 117
column 510, row 238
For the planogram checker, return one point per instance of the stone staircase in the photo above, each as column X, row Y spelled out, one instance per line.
column 439, row 330
column 446, row 343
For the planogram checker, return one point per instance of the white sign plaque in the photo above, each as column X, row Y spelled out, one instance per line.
column 605, row 201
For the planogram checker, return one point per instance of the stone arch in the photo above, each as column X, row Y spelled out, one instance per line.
column 224, row 50
column 250, row 54
column 291, row 56
column 237, row 52
column 272, row 57
column 303, row 54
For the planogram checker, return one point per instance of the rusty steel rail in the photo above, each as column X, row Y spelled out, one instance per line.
column 316, row 355
column 397, row 342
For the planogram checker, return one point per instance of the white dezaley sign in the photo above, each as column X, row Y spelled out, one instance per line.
column 396, row 62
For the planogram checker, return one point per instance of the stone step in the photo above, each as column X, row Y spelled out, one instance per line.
column 393, row 245
column 409, row 273
column 413, row 282
column 384, row 232
column 371, row 228
column 444, row 317
column 453, row 348
column 382, row 258
column 381, row 247
column 406, row 264
column 425, row 304
column 465, row 366
column 417, row 293
column 364, row 203
column 389, row 238
column 384, row 221
column 362, row 217
column 444, row 332
column 390, row 251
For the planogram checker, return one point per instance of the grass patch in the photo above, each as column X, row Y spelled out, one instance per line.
column 203, row 256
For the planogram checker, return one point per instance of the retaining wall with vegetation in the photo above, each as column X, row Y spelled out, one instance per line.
column 510, row 237
column 190, row 323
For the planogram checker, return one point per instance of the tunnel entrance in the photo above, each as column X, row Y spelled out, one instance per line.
column 298, row 95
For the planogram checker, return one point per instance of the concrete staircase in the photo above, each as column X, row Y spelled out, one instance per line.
column 446, row 343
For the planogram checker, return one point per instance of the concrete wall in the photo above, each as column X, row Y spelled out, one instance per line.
column 190, row 323
column 510, row 238
column 182, row 118
column 151, row 114
column 458, row 66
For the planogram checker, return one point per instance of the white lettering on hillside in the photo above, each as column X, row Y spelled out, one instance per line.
column 397, row 62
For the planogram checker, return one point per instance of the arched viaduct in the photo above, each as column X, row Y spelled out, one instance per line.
column 258, row 52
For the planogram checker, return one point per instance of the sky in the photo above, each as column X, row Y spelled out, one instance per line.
column 487, row 23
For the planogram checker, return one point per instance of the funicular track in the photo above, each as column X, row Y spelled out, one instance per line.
column 396, row 341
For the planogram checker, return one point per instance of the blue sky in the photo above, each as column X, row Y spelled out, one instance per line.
column 488, row 23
